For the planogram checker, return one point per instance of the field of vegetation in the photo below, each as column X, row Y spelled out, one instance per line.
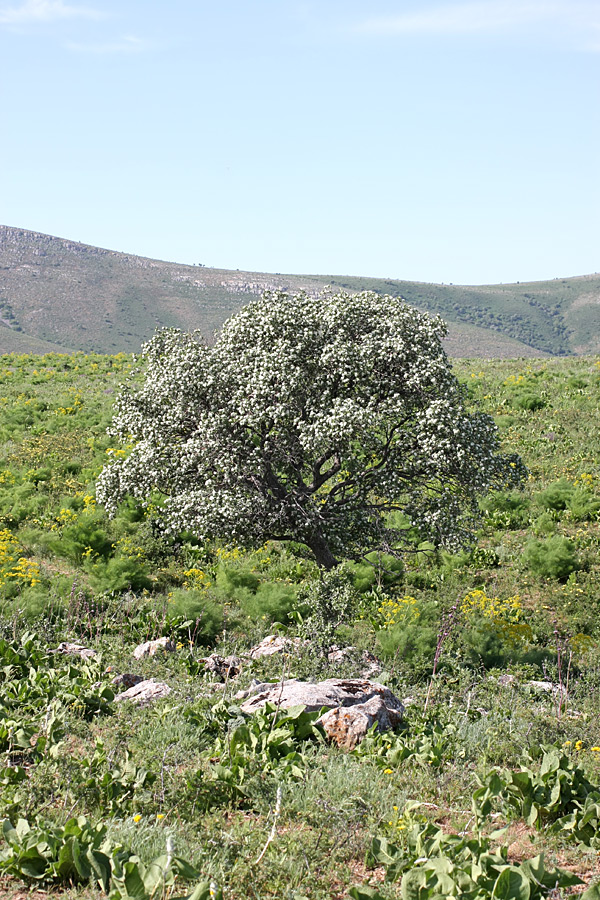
column 491, row 789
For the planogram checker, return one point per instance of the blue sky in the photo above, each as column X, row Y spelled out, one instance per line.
column 435, row 141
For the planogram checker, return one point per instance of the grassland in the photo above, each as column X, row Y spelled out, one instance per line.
column 77, row 297
column 523, row 602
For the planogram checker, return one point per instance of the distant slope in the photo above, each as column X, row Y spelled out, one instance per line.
column 78, row 297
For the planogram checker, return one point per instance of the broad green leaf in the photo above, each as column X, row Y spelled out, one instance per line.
column 511, row 884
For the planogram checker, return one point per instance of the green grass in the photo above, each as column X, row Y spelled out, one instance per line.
column 67, row 572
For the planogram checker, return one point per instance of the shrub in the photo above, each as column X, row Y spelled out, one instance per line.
column 273, row 601
column 583, row 506
column 556, row 496
column 327, row 604
column 204, row 615
column 530, row 402
column 118, row 575
column 553, row 558
column 506, row 510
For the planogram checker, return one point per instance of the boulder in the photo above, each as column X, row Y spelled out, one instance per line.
column 75, row 650
column 547, row 687
column 145, row 692
column 150, row 648
column 353, row 704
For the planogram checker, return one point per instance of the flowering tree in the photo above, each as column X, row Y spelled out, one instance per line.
column 334, row 421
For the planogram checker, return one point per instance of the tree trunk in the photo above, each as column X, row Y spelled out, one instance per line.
column 321, row 551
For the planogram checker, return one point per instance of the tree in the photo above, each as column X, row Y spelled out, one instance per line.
column 334, row 421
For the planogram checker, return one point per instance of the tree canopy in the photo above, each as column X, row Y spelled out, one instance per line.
column 333, row 420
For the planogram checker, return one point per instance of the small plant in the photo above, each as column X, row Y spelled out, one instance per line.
column 432, row 863
column 549, row 789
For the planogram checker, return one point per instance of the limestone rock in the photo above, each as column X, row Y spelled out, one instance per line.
column 355, row 704
column 369, row 664
column 346, row 726
column 222, row 666
column 547, row 687
column 150, row 648
column 273, row 643
column 75, row 650
column 127, row 680
column 145, row 692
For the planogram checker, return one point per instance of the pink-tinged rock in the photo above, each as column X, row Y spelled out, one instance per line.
column 346, row 726
column 150, row 648
column 354, row 705
column 145, row 692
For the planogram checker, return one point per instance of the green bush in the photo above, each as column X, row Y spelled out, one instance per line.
column 327, row 604
column 506, row 509
column 553, row 558
column 529, row 402
column 273, row 601
column 118, row 575
column 556, row 496
column 583, row 506
column 202, row 612
column 236, row 583
column 411, row 645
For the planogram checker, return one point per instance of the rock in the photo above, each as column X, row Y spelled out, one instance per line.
column 370, row 664
column 75, row 650
column 506, row 680
column 127, row 679
column 346, row 726
column 145, row 692
column 150, row 648
column 222, row 666
column 547, row 687
column 255, row 687
column 354, row 704
column 273, row 643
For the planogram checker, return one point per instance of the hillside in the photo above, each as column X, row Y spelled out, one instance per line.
column 60, row 294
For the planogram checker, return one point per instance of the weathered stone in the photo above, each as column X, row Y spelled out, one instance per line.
column 369, row 701
column 127, row 679
column 222, row 666
column 75, row 650
column 145, row 692
column 547, row 687
column 346, row 726
column 150, row 648
column 273, row 643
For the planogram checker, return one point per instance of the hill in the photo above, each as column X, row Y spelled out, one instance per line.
column 61, row 294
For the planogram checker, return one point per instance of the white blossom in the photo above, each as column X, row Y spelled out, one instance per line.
column 312, row 419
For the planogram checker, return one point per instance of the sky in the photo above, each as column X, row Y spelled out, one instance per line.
column 441, row 141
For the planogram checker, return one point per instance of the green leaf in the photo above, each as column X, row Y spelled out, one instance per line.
column 592, row 893
column 414, row 885
column 81, row 861
column 363, row 892
column 512, row 884
column 65, row 866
